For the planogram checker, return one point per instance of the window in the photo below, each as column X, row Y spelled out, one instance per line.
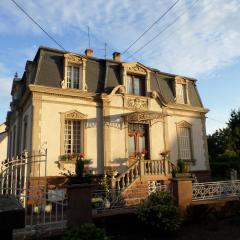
column 136, row 85
column 73, row 77
column 184, row 143
column 181, row 93
column 72, row 137
column 137, row 139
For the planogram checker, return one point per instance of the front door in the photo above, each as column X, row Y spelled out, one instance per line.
column 138, row 140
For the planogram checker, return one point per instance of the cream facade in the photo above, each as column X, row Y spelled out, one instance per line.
column 3, row 142
column 111, row 111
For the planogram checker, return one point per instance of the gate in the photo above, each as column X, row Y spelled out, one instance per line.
column 25, row 178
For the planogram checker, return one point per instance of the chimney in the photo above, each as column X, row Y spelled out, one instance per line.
column 89, row 52
column 117, row 56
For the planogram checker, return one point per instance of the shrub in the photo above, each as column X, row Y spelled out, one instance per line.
column 159, row 211
column 87, row 231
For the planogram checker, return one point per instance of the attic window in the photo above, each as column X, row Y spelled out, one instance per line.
column 136, row 85
column 73, row 80
column 181, row 91
column 74, row 72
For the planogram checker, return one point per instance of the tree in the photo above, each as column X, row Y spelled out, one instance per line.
column 226, row 141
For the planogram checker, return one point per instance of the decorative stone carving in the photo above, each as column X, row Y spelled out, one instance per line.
column 136, row 69
column 143, row 116
column 137, row 103
column 180, row 80
column 73, row 58
column 75, row 115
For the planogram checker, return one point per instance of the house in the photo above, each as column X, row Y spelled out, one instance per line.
column 112, row 111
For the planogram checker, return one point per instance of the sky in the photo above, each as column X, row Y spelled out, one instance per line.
column 196, row 38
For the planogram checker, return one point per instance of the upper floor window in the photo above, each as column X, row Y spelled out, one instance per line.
column 73, row 80
column 136, row 85
column 181, row 93
column 74, row 72
column 181, row 90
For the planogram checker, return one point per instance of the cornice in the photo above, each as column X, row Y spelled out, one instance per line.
column 69, row 92
column 187, row 108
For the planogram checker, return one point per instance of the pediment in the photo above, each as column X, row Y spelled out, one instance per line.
column 74, row 114
column 184, row 124
column 135, row 67
column 73, row 58
column 180, row 80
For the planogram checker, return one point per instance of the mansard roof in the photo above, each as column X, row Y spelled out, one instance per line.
column 102, row 75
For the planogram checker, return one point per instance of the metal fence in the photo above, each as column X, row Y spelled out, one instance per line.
column 106, row 200
column 215, row 190
column 25, row 177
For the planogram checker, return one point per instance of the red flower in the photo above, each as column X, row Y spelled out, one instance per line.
column 144, row 151
column 81, row 155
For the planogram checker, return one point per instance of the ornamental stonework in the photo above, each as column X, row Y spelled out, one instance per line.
column 75, row 115
column 136, row 69
column 73, row 58
column 137, row 103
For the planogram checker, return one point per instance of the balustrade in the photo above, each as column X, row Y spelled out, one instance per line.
column 141, row 168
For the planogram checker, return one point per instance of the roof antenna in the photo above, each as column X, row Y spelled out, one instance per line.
column 88, row 37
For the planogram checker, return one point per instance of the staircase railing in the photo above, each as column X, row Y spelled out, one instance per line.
column 126, row 178
column 140, row 168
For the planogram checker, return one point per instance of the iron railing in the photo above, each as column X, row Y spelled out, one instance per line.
column 215, row 190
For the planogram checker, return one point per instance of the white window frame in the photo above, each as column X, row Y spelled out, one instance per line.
column 136, row 69
column 73, row 115
column 74, row 135
column 74, row 61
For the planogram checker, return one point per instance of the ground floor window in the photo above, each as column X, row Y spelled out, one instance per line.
column 184, row 143
column 72, row 137
column 138, row 139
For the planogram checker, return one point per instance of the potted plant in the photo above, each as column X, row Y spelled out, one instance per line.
column 81, row 175
column 182, row 170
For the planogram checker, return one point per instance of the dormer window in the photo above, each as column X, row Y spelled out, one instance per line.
column 136, row 85
column 74, row 72
column 181, row 91
column 73, row 80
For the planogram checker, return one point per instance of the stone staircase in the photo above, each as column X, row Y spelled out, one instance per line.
column 134, row 182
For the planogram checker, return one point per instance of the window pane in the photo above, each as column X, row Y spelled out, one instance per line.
column 130, row 85
column 131, row 146
column 72, row 137
column 72, row 77
column 137, row 90
column 184, row 143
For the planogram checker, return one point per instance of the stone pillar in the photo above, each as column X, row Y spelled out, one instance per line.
column 79, row 204
column 182, row 192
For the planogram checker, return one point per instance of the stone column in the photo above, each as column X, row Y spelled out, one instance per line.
column 182, row 192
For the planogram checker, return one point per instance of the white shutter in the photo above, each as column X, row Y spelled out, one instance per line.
column 184, row 143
